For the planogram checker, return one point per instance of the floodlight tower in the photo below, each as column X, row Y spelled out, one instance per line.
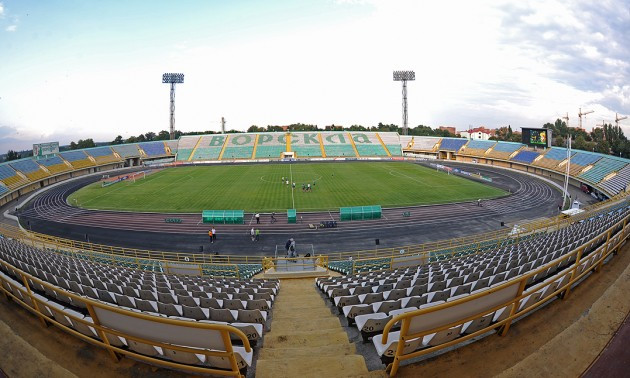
column 404, row 76
column 172, row 79
column 617, row 119
column 580, row 114
column 568, row 165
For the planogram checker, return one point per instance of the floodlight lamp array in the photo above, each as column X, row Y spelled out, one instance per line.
column 404, row 75
column 173, row 78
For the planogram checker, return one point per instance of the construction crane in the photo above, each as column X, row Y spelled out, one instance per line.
column 580, row 114
column 617, row 119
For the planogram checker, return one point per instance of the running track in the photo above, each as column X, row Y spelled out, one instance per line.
column 530, row 198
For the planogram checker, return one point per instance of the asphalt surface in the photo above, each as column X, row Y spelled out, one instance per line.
column 530, row 198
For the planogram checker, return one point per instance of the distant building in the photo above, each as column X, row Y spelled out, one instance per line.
column 478, row 133
column 450, row 129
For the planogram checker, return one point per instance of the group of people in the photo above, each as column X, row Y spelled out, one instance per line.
column 212, row 234
column 306, row 187
column 255, row 234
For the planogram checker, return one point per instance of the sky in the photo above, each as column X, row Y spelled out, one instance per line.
column 77, row 69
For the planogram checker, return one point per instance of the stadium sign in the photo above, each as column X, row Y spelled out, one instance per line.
column 43, row 149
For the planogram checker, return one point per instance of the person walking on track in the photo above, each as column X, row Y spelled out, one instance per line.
column 257, row 218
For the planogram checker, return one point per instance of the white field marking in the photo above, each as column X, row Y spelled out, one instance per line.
column 292, row 188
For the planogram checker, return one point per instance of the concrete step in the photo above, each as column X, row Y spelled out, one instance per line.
column 305, row 314
column 325, row 366
column 307, row 352
column 283, row 338
column 290, row 306
column 301, row 325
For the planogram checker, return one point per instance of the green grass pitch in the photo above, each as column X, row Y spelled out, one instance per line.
column 258, row 188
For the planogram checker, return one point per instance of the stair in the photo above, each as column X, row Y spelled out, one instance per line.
column 306, row 339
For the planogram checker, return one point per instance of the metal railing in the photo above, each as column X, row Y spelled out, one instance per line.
column 25, row 297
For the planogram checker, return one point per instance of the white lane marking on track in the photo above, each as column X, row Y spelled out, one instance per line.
column 292, row 188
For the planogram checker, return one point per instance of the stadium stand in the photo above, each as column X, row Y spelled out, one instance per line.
column 306, row 145
column 153, row 149
column 102, row 155
column 29, row 168
column 476, row 147
column 392, row 142
column 3, row 189
column 581, row 160
column 368, row 144
column 337, row 144
column 126, row 150
column 452, row 144
column 172, row 146
column 78, row 158
column 270, row 145
column 209, row 147
column 239, row 146
column 186, row 146
column 541, row 265
column 618, row 182
column 552, row 158
column 526, row 156
column 602, row 168
column 242, row 304
column 10, row 177
column 419, row 143
column 54, row 164
column 503, row 150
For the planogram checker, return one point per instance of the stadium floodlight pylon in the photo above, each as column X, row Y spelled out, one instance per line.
column 404, row 76
column 172, row 79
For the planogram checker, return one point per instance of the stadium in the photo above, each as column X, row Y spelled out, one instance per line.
column 408, row 252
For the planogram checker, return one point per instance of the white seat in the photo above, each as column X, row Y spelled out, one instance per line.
column 389, row 349
column 442, row 337
column 372, row 322
column 477, row 324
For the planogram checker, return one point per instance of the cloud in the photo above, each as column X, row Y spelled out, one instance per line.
column 11, row 28
column 1, row 10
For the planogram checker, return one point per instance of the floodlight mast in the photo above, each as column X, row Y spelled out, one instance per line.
column 404, row 76
column 172, row 79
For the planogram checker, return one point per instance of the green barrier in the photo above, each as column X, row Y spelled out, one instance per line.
column 223, row 216
column 407, row 214
column 172, row 220
column 360, row 213
column 291, row 216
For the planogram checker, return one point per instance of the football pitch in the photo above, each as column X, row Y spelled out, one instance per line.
column 259, row 188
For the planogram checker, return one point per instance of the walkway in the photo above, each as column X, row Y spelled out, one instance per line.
column 303, row 328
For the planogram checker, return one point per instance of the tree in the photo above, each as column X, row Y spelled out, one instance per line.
column 150, row 136
column 163, row 135
column 580, row 143
column 603, row 147
column 255, row 129
column 118, row 140
column 11, row 155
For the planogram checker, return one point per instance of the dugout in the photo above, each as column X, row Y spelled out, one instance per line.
column 360, row 212
column 223, row 216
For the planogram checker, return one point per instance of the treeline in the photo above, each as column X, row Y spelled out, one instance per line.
column 420, row 130
column 608, row 139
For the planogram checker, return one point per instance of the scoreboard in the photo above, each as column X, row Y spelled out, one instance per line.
column 43, row 149
column 537, row 137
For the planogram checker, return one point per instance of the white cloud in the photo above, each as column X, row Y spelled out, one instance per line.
column 11, row 28
column 482, row 63
column 1, row 10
